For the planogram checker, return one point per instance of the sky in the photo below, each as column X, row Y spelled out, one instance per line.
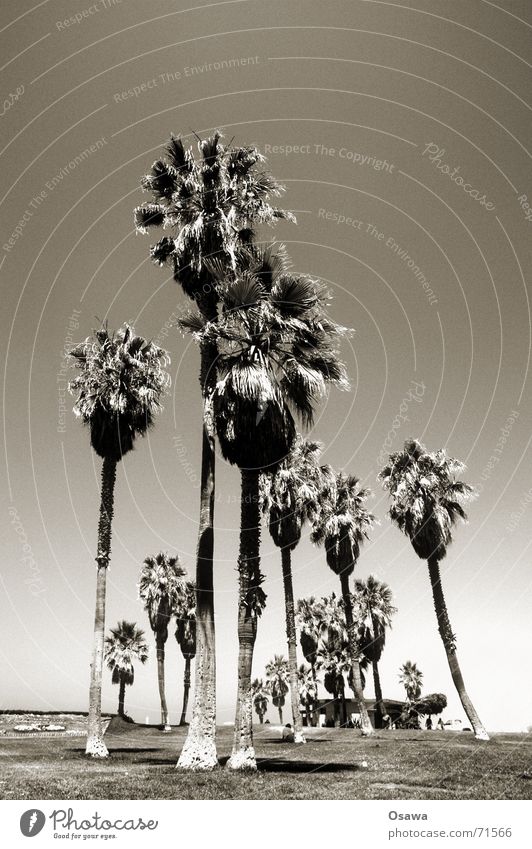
column 400, row 132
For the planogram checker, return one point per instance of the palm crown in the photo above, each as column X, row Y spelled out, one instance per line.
column 426, row 497
column 291, row 496
column 343, row 523
column 161, row 588
column 121, row 380
column 210, row 203
column 186, row 621
column 374, row 605
column 277, row 678
column 276, row 354
column 125, row 645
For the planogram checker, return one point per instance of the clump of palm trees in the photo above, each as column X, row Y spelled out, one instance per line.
column 268, row 352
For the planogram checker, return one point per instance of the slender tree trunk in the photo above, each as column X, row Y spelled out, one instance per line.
column 308, row 715
column 291, row 640
column 344, row 708
column 280, row 709
column 199, row 750
column 159, row 643
column 96, row 747
column 261, row 718
column 121, row 696
column 449, row 642
column 315, row 710
column 186, row 690
column 365, row 723
column 249, row 578
column 336, row 709
column 380, row 709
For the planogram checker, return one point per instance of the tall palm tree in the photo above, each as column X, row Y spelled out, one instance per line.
column 290, row 496
column 276, row 353
column 277, row 677
column 260, row 693
column 185, row 635
column 342, row 525
column 125, row 645
column 308, row 691
column 426, row 503
column 373, row 601
column 161, row 588
column 309, row 616
column 207, row 207
column 119, row 387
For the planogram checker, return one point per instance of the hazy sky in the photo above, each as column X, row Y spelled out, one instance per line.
column 412, row 121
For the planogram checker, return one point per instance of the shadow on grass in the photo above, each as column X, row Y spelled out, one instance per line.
column 281, row 765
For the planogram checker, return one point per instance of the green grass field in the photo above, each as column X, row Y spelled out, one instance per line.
column 401, row 765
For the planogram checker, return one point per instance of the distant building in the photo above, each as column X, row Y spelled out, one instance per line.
column 327, row 710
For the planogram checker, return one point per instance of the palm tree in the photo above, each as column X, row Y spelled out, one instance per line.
column 207, row 208
column 161, row 587
column 309, row 616
column 119, row 387
column 426, row 503
column 342, row 525
column 125, row 644
column 308, row 691
column 411, row 678
column 373, row 602
column 334, row 664
column 277, row 677
column 260, row 694
column 289, row 497
column 276, row 354
column 185, row 635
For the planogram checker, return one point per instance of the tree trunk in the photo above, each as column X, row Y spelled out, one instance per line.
column 261, row 718
column 249, row 579
column 308, row 715
column 344, row 709
column 159, row 643
column 186, row 690
column 365, row 723
column 96, row 747
column 121, row 696
column 280, row 709
column 199, row 750
column 336, row 710
column 380, row 708
column 291, row 639
column 315, row 710
column 449, row 642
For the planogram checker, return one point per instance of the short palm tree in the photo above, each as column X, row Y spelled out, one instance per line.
column 276, row 354
column 342, row 525
column 119, row 386
column 161, row 586
column 426, row 502
column 334, row 663
column 411, row 678
column 261, row 698
column 278, row 682
column 126, row 644
column 185, row 635
column 207, row 207
column 308, row 691
column 373, row 602
column 309, row 615
column 290, row 497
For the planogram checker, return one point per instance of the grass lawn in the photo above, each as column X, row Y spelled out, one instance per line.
column 401, row 765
